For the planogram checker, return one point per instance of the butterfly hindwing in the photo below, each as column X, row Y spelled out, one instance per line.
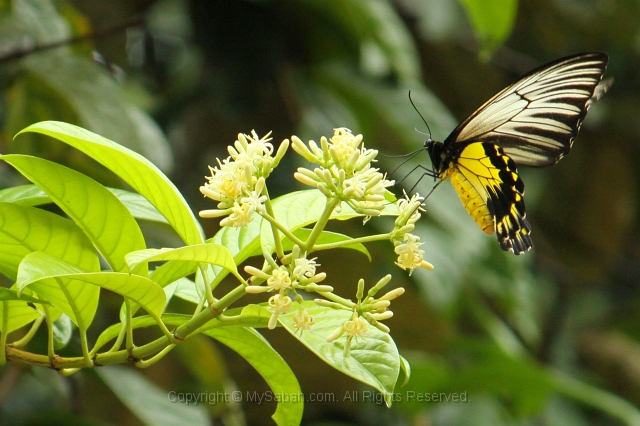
column 488, row 184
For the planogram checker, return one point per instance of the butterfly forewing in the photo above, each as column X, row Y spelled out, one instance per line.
column 536, row 119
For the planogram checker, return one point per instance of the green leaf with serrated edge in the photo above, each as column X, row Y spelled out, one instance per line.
column 43, row 272
column 142, row 175
column 25, row 195
column 302, row 208
column 374, row 358
column 149, row 403
column 214, row 254
column 11, row 294
column 326, row 237
column 102, row 217
column 20, row 314
column 269, row 364
column 25, row 229
column 62, row 331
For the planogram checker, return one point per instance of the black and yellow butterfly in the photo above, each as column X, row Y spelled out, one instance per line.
column 532, row 122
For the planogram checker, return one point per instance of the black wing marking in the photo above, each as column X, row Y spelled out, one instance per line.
column 536, row 119
column 494, row 176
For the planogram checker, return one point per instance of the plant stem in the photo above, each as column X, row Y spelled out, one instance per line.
column 50, row 348
column 157, row 357
column 276, row 236
column 127, row 326
column 32, row 331
column 284, row 230
column 346, row 243
column 319, row 226
column 335, row 298
column 4, row 332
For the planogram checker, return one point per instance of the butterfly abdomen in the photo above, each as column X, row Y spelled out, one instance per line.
column 472, row 200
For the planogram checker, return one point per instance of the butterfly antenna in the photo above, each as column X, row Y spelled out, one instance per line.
column 421, row 116
column 410, row 155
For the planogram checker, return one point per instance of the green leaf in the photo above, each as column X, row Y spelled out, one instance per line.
column 374, row 358
column 37, row 21
column 183, row 288
column 103, row 218
column 11, row 294
column 138, row 206
column 301, row 208
column 62, row 331
column 406, row 370
column 376, row 23
column 214, row 254
column 326, row 237
column 20, row 314
column 149, row 403
column 492, row 21
column 27, row 229
column 48, row 275
column 31, row 195
column 144, row 177
column 25, row 195
column 274, row 370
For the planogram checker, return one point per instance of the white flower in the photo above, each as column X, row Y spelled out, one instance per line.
column 304, row 268
column 241, row 214
column 279, row 305
column 410, row 256
column 279, row 279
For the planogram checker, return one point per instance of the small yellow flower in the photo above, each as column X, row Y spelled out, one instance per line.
column 279, row 305
column 241, row 214
column 279, row 280
column 302, row 320
column 305, row 268
column 410, row 256
column 252, row 150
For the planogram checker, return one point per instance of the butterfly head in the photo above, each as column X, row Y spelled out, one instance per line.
column 437, row 154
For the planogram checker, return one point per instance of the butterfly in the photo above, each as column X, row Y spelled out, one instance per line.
column 533, row 123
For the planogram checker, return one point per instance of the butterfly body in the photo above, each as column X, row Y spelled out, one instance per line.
column 531, row 123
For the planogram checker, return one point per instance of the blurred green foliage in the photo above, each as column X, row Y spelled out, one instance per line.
column 549, row 338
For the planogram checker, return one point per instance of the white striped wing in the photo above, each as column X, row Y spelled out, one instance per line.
column 536, row 119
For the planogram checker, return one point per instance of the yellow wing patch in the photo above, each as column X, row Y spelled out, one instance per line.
column 491, row 191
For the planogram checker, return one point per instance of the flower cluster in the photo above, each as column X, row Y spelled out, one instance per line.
column 345, row 171
column 407, row 245
column 298, row 274
column 238, row 182
column 367, row 310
